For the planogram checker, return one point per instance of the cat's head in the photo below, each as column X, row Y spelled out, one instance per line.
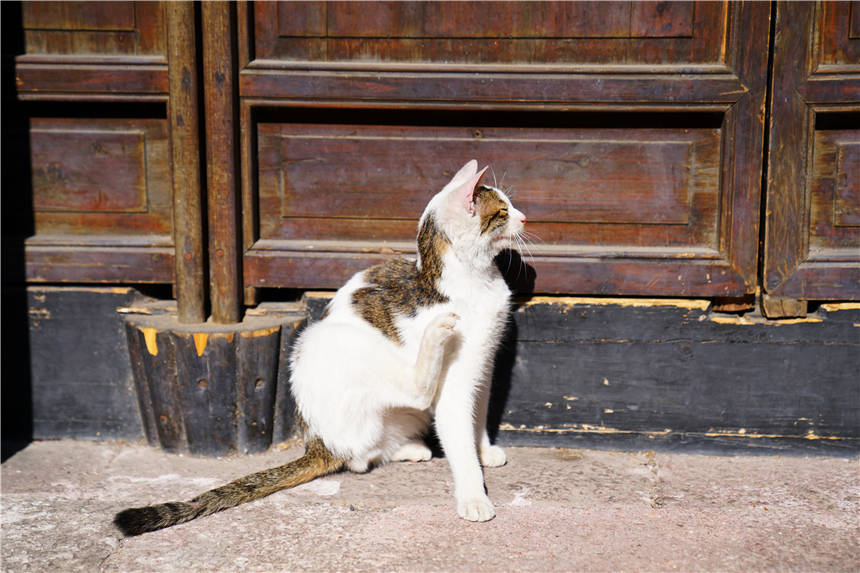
column 476, row 220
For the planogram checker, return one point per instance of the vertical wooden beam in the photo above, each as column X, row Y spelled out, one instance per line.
column 182, row 112
column 219, row 83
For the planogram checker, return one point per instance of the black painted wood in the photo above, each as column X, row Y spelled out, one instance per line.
column 212, row 389
column 79, row 369
column 257, row 361
column 606, row 373
column 285, row 406
column 623, row 375
column 207, row 388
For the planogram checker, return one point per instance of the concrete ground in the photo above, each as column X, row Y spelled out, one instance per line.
column 557, row 510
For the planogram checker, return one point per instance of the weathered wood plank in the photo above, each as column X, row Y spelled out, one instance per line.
column 221, row 108
column 105, row 264
column 477, row 33
column 183, row 116
column 485, row 88
column 809, row 250
column 114, row 28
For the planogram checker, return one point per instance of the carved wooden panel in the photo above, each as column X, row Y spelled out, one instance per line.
column 644, row 195
column 660, row 186
column 101, row 188
column 812, row 242
column 490, row 32
column 103, row 28
column 344, row 141
column 839, row 44
column 105, row 50
column 834, row 222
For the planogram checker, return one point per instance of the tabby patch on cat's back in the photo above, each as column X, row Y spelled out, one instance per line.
column 400, row 286
column 380, row 367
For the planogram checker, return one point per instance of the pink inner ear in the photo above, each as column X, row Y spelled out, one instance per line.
column 465, row 192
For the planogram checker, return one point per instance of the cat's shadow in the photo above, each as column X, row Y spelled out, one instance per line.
column 520, row 277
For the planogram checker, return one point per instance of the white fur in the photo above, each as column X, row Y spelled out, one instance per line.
column 368, row 398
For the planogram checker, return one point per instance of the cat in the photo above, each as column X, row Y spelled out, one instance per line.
column 400, row 346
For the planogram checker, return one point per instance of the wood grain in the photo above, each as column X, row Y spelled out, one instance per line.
column 811, row 238
column 489, row 32
column 183, row 116
column 221, row 109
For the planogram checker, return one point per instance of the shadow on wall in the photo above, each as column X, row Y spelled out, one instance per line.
column 520, row 277
column 17, row 207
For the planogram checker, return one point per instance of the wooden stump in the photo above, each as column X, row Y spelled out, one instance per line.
column 211, row 389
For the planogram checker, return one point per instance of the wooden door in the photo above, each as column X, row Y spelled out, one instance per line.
column 812, row 241
column 109, row 105
column 95, row 79
column 630, row 133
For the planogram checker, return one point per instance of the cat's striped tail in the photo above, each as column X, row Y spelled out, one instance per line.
column 317, row 461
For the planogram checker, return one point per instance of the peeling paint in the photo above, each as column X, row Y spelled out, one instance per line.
column 731, row 320
column 743, row 433
column 571, row 398
column 133, row 310
column 568, row 302
column 581, row 429
column 746, row 321
column 604, row 430
column 38, row 313
column 258, row 333
column 809, row 319
column 837, row 306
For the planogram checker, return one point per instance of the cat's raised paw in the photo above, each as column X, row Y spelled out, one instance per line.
column 493, row 457
column 476, row 509
column 448, row 321
column 442, row 327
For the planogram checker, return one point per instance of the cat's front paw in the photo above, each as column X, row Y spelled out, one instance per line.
column 493, row 457
column 476, row 509
column 443, row 326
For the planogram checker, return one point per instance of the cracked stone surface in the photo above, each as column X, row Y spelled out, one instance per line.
column 557, row 510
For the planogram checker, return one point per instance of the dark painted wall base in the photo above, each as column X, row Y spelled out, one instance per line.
column 82, row 384
column 605, row 373
column 672, row 375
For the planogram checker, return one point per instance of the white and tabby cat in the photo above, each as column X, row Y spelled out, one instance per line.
column 401, row 345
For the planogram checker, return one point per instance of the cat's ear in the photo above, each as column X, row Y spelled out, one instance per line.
column 463, row 194
column 466, row 172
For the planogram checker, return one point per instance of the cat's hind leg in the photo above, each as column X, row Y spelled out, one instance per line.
column 412, row 451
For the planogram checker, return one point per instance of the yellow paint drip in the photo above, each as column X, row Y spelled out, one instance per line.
column 258, row 333
column 149, row 337
column 200, row 340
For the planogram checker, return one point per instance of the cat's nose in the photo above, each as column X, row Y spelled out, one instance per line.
column 523, row 220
